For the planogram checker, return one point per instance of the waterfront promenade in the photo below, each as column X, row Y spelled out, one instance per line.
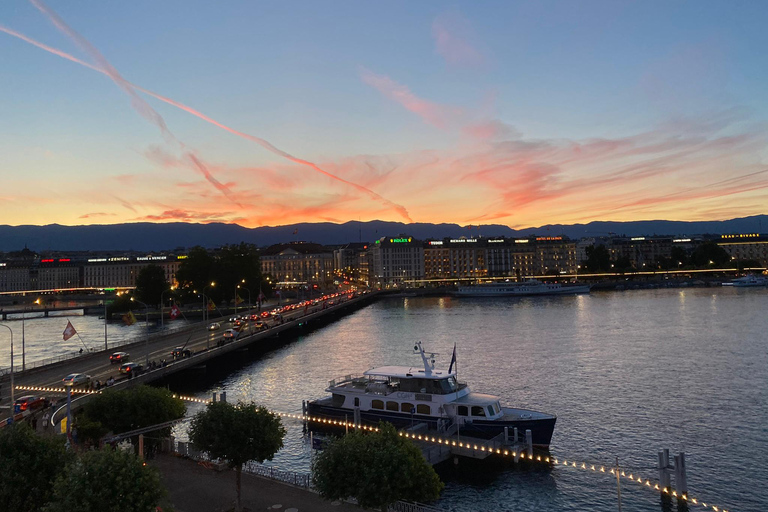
column 194, row 488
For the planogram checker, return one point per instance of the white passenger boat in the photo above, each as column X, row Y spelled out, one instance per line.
column 748, row 281
column 407, row 396
column 522, row 288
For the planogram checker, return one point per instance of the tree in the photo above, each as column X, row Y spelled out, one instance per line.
column 709, row 254
column 123, row 411
column 107, row 480
column 238, row 434
column 29, row 465
column 377, row 469
column 197, row 270
column 598, row 258
column 150, row 284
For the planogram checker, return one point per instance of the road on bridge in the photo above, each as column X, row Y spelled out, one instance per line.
column 196, row 338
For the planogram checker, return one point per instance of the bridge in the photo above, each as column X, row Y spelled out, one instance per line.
column 204, row 346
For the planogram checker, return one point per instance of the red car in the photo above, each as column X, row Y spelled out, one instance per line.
column 28, row 402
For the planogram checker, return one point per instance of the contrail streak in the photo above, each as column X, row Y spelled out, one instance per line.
column 138, row 103
column 264, row 143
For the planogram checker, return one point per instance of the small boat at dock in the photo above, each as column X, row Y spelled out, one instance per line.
column 407, row 396
column 748, row 281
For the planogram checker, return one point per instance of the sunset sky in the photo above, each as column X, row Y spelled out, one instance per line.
column 520, row 113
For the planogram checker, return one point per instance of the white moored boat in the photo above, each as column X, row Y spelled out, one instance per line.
column 522, row 288
column 748, row 281
column 407, row 396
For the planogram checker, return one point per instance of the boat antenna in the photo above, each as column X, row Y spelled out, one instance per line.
column 429, row 362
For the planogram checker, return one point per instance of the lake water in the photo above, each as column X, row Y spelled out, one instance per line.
column 627, row 373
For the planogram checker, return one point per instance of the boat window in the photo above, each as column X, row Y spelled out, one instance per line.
column 490, row 410
column 496, row 408
column 462, row 410
column 337, row 400
column 377, row 404
column 406, row 407
column 393, row 406
column 477, row 411
column 423, row 409
column 357, row 402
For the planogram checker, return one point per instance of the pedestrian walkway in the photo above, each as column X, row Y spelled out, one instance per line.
column 195, row 488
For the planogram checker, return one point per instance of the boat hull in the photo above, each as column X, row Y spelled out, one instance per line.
column 541, row 428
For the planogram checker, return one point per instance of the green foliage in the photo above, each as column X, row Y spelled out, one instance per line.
column 29, row 464
column 598, row 259
column 377, row 469
column 121, row 304
column 231, row 265
column 122, row 411
column 150, row 284
column 196, row 270
column 237, row 433
column 107, row 480
column 709, row 252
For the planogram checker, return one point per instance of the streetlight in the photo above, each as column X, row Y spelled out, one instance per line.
column 249, row 297
column 146, row 324
column 13, row 398
column 205, row 306
column 162, row 305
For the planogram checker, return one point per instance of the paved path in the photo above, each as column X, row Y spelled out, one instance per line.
column 193, row 488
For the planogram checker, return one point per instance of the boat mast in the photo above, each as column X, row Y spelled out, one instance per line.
column 429, row 363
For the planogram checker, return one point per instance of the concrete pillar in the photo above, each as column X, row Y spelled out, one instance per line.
column 529, row 441
column 223, row 396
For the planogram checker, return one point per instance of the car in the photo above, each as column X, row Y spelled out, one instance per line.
column 75, row 379
column 180, row 352
column 234, row 318
column 214, row 326
column 238, row 323
column 260, row 325
column 264, row 314
column 131, row 368
column 119, row 357
column 230, row 334
column 28, row 403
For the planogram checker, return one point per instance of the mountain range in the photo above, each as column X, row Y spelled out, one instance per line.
column 152, row 237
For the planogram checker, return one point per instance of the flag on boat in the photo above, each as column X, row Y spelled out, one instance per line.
column 453, row 359
column 69, row 331
column 211, row 305
column 175, row 312
column 129, row 318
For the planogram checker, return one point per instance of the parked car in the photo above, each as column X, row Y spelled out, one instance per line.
column 131, row 368
column 75, row 379
column 214, row 326
column 119, row 357
column 180, row 352
column 28, row 402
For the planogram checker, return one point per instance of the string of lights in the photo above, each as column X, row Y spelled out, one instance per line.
column 455, row 443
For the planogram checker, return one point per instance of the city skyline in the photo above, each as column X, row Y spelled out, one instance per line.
column 519, row 114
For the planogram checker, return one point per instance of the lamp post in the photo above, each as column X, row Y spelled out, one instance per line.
column 249, row 296
column 146, row 324
column 205, row 305
column 162, row 306
column 13, row 397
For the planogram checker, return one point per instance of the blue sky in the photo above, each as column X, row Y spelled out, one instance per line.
column 520, row 113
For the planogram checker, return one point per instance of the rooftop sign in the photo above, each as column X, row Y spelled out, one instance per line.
column 400, row 240
column 436, row 242
column 522, row 241
column 463, row 240
column 151, row 258
column 495, row 241
column 548, row 238
column 748, row 235
column 637, row 238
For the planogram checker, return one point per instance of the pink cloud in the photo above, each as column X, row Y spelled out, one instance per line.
column 440, row 116
column 96, row 214
column 452, row 33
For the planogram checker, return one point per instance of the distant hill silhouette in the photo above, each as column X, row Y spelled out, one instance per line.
column 147, row 237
